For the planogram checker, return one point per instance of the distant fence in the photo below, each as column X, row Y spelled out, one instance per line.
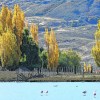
column 25, row 75
column 59, row 71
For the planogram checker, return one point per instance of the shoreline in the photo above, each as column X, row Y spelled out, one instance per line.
column 61, row 79
column 64, row 78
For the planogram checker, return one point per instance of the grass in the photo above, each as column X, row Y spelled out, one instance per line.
column 9, row 76
column 64, row 78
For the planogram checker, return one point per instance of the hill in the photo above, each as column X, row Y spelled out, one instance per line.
column 74, row 12
column 81, row 15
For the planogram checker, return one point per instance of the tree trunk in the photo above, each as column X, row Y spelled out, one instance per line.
column 75, row 70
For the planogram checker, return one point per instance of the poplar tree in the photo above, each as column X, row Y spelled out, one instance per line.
column 85, row 67
column 18, row 23
column 10, row 39
column 96, row 47
column 34, row 33
column 9, row 52
column 52, row 48
column 9, row 20
column 3, row 17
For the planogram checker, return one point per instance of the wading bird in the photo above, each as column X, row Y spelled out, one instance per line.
column 84, row 92
column 94, row 93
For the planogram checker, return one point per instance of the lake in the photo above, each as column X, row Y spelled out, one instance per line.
column 56, row 91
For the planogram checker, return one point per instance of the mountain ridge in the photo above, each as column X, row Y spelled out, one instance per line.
column 81, row 15
column 74, row 12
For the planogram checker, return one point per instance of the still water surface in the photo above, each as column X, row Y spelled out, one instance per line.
column 56, row 91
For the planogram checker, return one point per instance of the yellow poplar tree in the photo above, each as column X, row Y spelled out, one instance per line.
column 51, row 53
column 56, row 50
column 9, row 39
column 18, row 23
column 96, row 47
column 9, row 20
column 34, row 32
column 9, row 52
column 52, row 48
column 3, row 17
column 89, row 68
column 85, row 67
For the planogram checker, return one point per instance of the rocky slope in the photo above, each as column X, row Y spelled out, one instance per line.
column 74, row 12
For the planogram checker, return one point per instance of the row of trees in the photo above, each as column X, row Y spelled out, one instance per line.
column 11, row 27
column 70, row 60
column 19, row 45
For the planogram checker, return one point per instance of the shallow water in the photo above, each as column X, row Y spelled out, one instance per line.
column 56, row 91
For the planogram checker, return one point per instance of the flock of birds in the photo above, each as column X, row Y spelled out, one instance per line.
column 84, row 92
column 94, row 93
column 44, row 92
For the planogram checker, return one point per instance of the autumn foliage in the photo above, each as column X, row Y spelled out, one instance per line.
column 9, row 51
column 11, row 27
column 18, row 46
column 87, row 68
column 96, row 47
column 34, row 32
column 52, row 48
column 18, row 23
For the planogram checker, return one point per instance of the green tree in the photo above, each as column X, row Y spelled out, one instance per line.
column 44, row 58
column 30, row 51
column 62, row 59
column 69, row 59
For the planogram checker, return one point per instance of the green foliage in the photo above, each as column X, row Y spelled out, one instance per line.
column 43, row 56
column 69, row 59
column 30, row 50
column 62, row 59
column 73, row 58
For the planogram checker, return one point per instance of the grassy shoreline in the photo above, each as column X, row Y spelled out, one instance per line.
column 78, row 78
column 12, row 77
